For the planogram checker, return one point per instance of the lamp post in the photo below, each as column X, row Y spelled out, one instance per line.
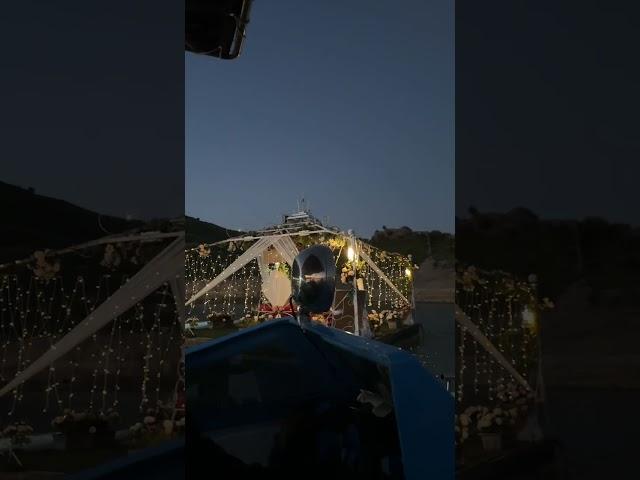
column 352, row 255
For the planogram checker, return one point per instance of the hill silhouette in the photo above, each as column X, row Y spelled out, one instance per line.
column 435, row 245
column 198, row 231
column 31, row 222
column 560, row 252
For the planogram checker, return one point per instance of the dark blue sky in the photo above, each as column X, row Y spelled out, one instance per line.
column 350, row 104
column 91, row 103
column 547, row 101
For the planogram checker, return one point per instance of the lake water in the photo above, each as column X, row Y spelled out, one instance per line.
column 437, row 346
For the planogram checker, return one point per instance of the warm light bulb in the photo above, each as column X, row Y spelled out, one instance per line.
column 407, row 272
column 351, row 254
column 528, row 317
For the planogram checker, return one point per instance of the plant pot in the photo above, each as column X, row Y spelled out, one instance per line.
column 491, row 441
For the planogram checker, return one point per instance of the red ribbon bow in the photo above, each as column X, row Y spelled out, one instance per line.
column 276, row 311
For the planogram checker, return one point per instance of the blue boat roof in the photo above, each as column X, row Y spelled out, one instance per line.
column 424, row 409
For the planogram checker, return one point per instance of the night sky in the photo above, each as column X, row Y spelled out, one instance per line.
column 547, row 102
column 349, row 104
column 92, row 105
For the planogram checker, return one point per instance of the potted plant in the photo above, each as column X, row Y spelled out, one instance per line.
column 157, row 425
column 19, row 435
column 491, row 425
column 515, row 401
column 392, row 321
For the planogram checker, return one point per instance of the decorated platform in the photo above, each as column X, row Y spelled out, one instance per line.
column 245, row 280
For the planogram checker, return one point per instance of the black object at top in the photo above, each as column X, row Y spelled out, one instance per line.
column 216, row 27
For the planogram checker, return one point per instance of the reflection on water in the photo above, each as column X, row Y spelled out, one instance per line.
column 437, row 344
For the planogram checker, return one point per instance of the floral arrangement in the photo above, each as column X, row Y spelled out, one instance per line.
column 203, row 251
column 237, row 246
column 323, row 318
column 42, row 268
column 71, row 422
column 18, row 433
column 351, row 268
column 509, row 414
column 378, row 319
column 111, row 258
column 335, row 243
column 251, row 319
column 515, row 398
column 114, row 256
column 159, row 421
column 480, row 419
column 281, row 267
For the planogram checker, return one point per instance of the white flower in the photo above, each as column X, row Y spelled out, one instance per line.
column 136, row 428
column 149, row 420
column 485, row 421
column 58, row 420
column 471, row 410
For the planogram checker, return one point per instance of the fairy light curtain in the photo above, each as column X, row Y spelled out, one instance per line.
column 496, row 335
column 90, row 328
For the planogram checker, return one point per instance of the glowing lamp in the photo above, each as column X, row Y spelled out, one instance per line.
column 529, row 320
column 407, row 272
column 351, row 254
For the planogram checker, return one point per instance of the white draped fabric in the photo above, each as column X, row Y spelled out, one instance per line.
column 284, row 246
column 276, row 287
column 287, row 249
column 250, row 254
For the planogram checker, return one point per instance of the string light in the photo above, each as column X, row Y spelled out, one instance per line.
column 36, row 312
column 502, row 308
